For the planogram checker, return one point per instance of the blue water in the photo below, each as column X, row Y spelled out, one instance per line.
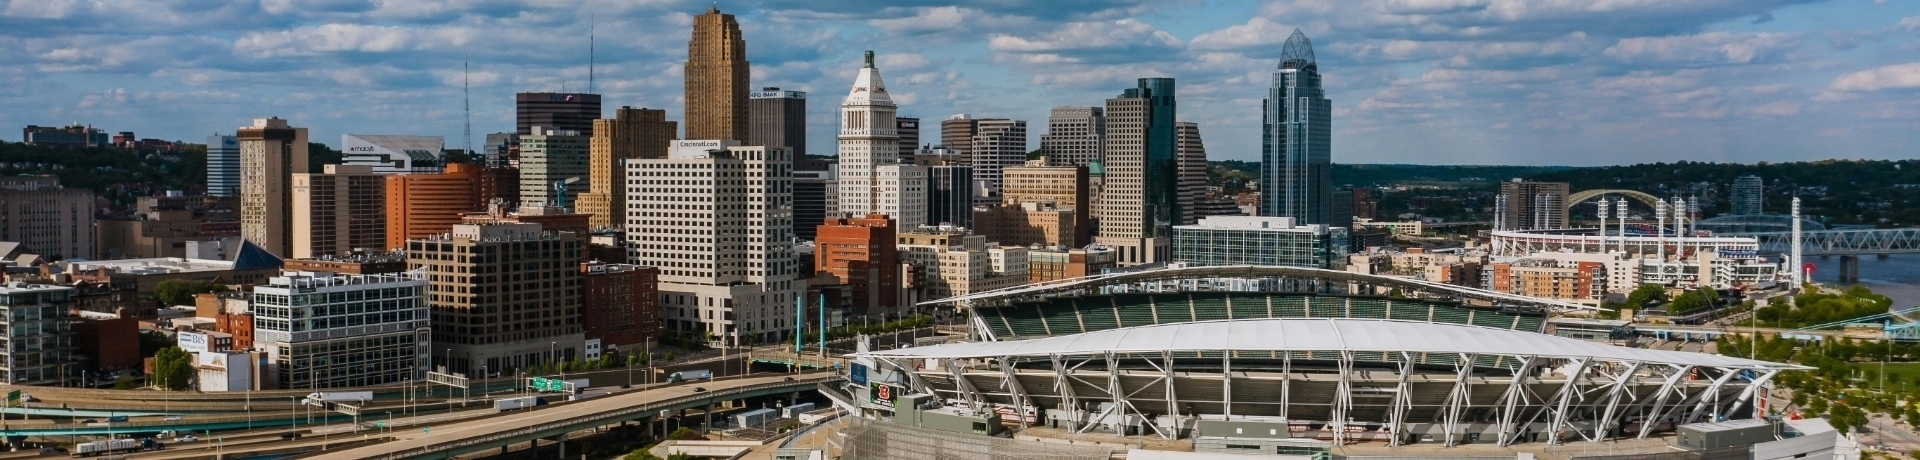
column 1897, row 276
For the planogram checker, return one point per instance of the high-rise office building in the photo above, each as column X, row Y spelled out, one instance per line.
column 392, row 154
column 325, row 330
column 724, row 247
column 1296, row 165
column 956, row 132
column 631, row 133
column 556, row 111
column 1074, row 136
column 872, row 178
column 338, row 211
column 502, row 150
column 950, row 195
column 1193, row 171
column 1056, row 187
column 997, row 144
column 909, row 131
column 223, row 165
column 1533, row 205
column 779, row 119
column 38, row 213
column 271, row 152
column 716, row 78
column 553, row 167
column 813, row 201
column 1140, row 196
column 505, row 295
column 1746, row 196
column 859, row 252
column 423, row 205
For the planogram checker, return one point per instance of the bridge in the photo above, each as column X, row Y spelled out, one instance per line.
column 554, row 422
column 1841, row 242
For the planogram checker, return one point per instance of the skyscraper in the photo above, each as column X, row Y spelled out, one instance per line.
column 724, row 247
column 424, row 205
column 950, row 195
column 872, row 179
column 338, row 211
column 779, row 119
column 997, row 144
column 1296, row 164
column 271, row 152
column 487, row 309
column 1074, row 135
column 716, row 75
column 1193, row 171
column 1746, row 196
column 223, row 165
column 631, row 133
column 813, row 193
column 1140, row 192
column 1533, row 205
column 561, row 111
column 956, row 132
column 909, row 131
column 553, row 167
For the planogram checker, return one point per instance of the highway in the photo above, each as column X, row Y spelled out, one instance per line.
column 491, row 432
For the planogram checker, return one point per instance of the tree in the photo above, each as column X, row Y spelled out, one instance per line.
column 683, row 433
column 1646, row 293
column 152, row 341
column 124, row 382
column 181, row 292
column 668, row 357
column 172, row 369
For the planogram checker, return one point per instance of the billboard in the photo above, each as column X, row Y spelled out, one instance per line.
column 193, row 342
column 858, row 374
column 881, row 395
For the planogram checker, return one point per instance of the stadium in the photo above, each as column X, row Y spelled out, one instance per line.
column 1297, row 355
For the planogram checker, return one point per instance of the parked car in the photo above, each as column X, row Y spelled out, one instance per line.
column 699, row 389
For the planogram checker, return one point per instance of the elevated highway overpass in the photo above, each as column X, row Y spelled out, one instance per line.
column 555, row 422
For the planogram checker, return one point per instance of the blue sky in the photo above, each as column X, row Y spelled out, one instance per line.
column 1561, row 82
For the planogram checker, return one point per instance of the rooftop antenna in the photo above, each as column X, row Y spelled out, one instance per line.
column 590, row 23
column 466, row 92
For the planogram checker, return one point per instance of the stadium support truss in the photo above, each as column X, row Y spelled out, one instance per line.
column 1350, row 379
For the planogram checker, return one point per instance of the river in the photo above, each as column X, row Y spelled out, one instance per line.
column 1897, row 276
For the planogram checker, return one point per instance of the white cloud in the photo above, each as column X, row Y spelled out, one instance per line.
column 1778, row 109
column 1256, row 32
column 1705, row 48
column 1127, row 39
column 1901, row 76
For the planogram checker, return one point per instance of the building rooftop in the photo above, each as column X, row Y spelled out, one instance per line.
column 152, row 266
column 330, row 279
column 17, row 287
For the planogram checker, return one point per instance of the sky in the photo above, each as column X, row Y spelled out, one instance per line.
column 1499, row 82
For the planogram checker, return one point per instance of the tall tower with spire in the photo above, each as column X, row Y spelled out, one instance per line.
column 1296, row 165
column 872, row 180
column 717, row 75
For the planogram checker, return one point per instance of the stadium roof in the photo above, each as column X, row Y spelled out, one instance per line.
column 1323, row 334
column 1245, row 271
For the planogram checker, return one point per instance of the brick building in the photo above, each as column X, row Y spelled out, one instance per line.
column 860, row 253
column 620, row 304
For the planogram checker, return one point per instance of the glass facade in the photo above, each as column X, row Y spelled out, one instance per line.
column 1162, row 206
column 1313, row 246
column 38, row 347
column 1296, row 160
column 344, row 330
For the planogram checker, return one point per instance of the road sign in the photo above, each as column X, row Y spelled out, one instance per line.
column 345, row 408
column 426, row 430
column 452, row 380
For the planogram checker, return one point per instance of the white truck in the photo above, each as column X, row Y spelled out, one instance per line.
column 339, row 396
column 516, row 403
column 110, row 446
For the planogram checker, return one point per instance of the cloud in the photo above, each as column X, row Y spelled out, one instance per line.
column 1901, row 76
column 1103, row 41
column 1704, row 49
column 334, row 38
column 1256, row 32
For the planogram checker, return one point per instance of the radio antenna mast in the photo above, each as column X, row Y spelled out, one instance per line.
column 590, row 23
column 466, row 92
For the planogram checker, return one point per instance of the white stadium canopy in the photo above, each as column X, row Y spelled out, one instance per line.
column 1324, row 334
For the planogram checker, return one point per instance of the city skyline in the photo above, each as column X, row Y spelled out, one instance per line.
column 1480, row 82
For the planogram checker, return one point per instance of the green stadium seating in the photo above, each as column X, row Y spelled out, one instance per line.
column 1368, row 308
column 1209, row 308
column 1248, row 306
column 1170, row 309
column 1327, row 307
